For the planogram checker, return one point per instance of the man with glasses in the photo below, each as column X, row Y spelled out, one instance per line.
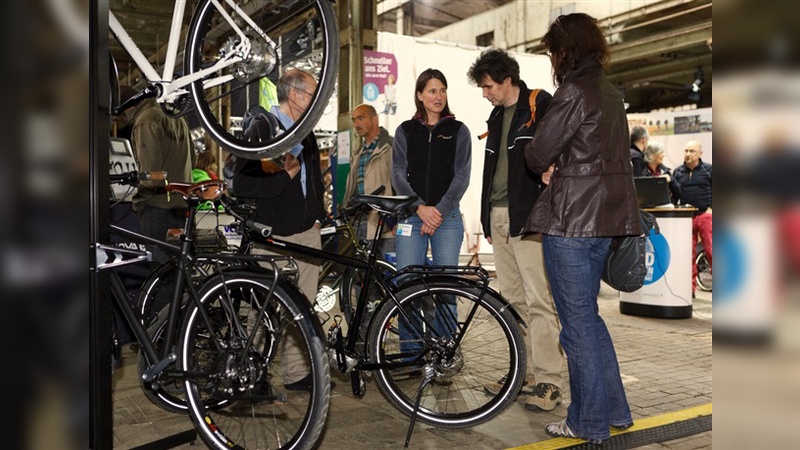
column 694, row 177
column 639, row 138
column 287, row 198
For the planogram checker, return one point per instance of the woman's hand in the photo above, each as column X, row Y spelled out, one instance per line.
column 430, row 216
column 547, row 175
column 426, row 230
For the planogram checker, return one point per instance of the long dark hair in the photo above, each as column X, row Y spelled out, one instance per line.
column 570, row 40
column 422, row 80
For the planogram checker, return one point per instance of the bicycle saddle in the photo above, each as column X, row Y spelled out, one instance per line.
column 389, row 204
column 205, row 190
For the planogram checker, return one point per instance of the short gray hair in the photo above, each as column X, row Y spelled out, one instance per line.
column 653, row 149
column 638, row 133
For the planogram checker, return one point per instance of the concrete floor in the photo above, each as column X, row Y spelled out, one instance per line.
column 665, row 364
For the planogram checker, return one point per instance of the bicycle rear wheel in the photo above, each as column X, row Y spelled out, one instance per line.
column 476, row 340
column 258, row 412
column 704, row 277
column 301, row 34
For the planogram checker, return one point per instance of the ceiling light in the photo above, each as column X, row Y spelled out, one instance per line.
column 694, row 88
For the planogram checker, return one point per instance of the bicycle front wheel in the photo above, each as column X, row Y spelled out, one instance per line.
column 266, row 37
column 469, row 340
column 241, row 365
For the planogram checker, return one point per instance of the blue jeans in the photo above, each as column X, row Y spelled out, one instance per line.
column 574, row 266
column 445, row 247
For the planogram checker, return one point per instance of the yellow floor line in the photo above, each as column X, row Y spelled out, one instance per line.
column 639, row 424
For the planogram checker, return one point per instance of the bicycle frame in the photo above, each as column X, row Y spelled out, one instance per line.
column 369, row 267
column 186, row 258
column 350, row 243
column 172, row 89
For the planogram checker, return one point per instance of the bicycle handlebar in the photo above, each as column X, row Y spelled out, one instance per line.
column 133, row 177
column 260, row 228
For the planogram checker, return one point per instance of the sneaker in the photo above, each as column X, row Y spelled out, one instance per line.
column 545, row 396
column 622, row 427
column 560, row 429
column 494, row 387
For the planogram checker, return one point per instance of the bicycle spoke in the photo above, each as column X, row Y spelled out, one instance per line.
column 268, row 40
column 463, row 356
column 259, row 333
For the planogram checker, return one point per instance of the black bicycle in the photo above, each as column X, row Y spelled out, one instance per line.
column 704, row 276
column 217, row 349
column 336, row 282
column 437, row 336
column 340, row 235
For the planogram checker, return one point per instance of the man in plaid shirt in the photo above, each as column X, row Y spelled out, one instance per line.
column 370, row 168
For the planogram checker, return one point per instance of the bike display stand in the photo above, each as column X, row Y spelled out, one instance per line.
column 100, row 366
column 185, row 437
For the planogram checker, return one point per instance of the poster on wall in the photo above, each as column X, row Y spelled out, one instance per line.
column 380, row 76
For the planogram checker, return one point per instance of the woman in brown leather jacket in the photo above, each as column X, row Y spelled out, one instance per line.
column 581, row 148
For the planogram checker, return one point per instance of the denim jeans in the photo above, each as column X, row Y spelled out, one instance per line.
column 445, row 247
column 574, row 266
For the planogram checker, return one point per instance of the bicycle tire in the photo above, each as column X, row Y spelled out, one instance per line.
column 491, row 346
column 166, row 393
column 260, row 412
column 352, row 280
column 312, row 23
column 704, row 278
column 156, row 293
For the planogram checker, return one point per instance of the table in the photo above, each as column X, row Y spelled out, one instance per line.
column 667, row 290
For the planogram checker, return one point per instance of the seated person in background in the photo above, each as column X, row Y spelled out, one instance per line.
column 205, row 167
column 694, row 177
column 653, row 159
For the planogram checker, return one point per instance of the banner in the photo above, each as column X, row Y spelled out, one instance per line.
column 674, row 129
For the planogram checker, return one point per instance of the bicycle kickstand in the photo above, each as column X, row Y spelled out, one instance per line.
column 425, row 382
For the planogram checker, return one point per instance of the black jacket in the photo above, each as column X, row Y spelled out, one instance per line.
column 279, row 199
column 432, row 163
column 695, row 185
column 637, row 162
column 524, row 185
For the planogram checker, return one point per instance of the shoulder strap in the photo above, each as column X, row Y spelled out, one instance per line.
column 532, row 103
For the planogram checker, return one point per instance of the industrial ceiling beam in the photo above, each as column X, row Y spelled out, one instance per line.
column 667, row 42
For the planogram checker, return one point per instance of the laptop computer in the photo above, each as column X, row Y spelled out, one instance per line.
column 652, row 192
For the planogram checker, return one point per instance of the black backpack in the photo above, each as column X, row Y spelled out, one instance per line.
column 257, row 125
column 625, row 267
